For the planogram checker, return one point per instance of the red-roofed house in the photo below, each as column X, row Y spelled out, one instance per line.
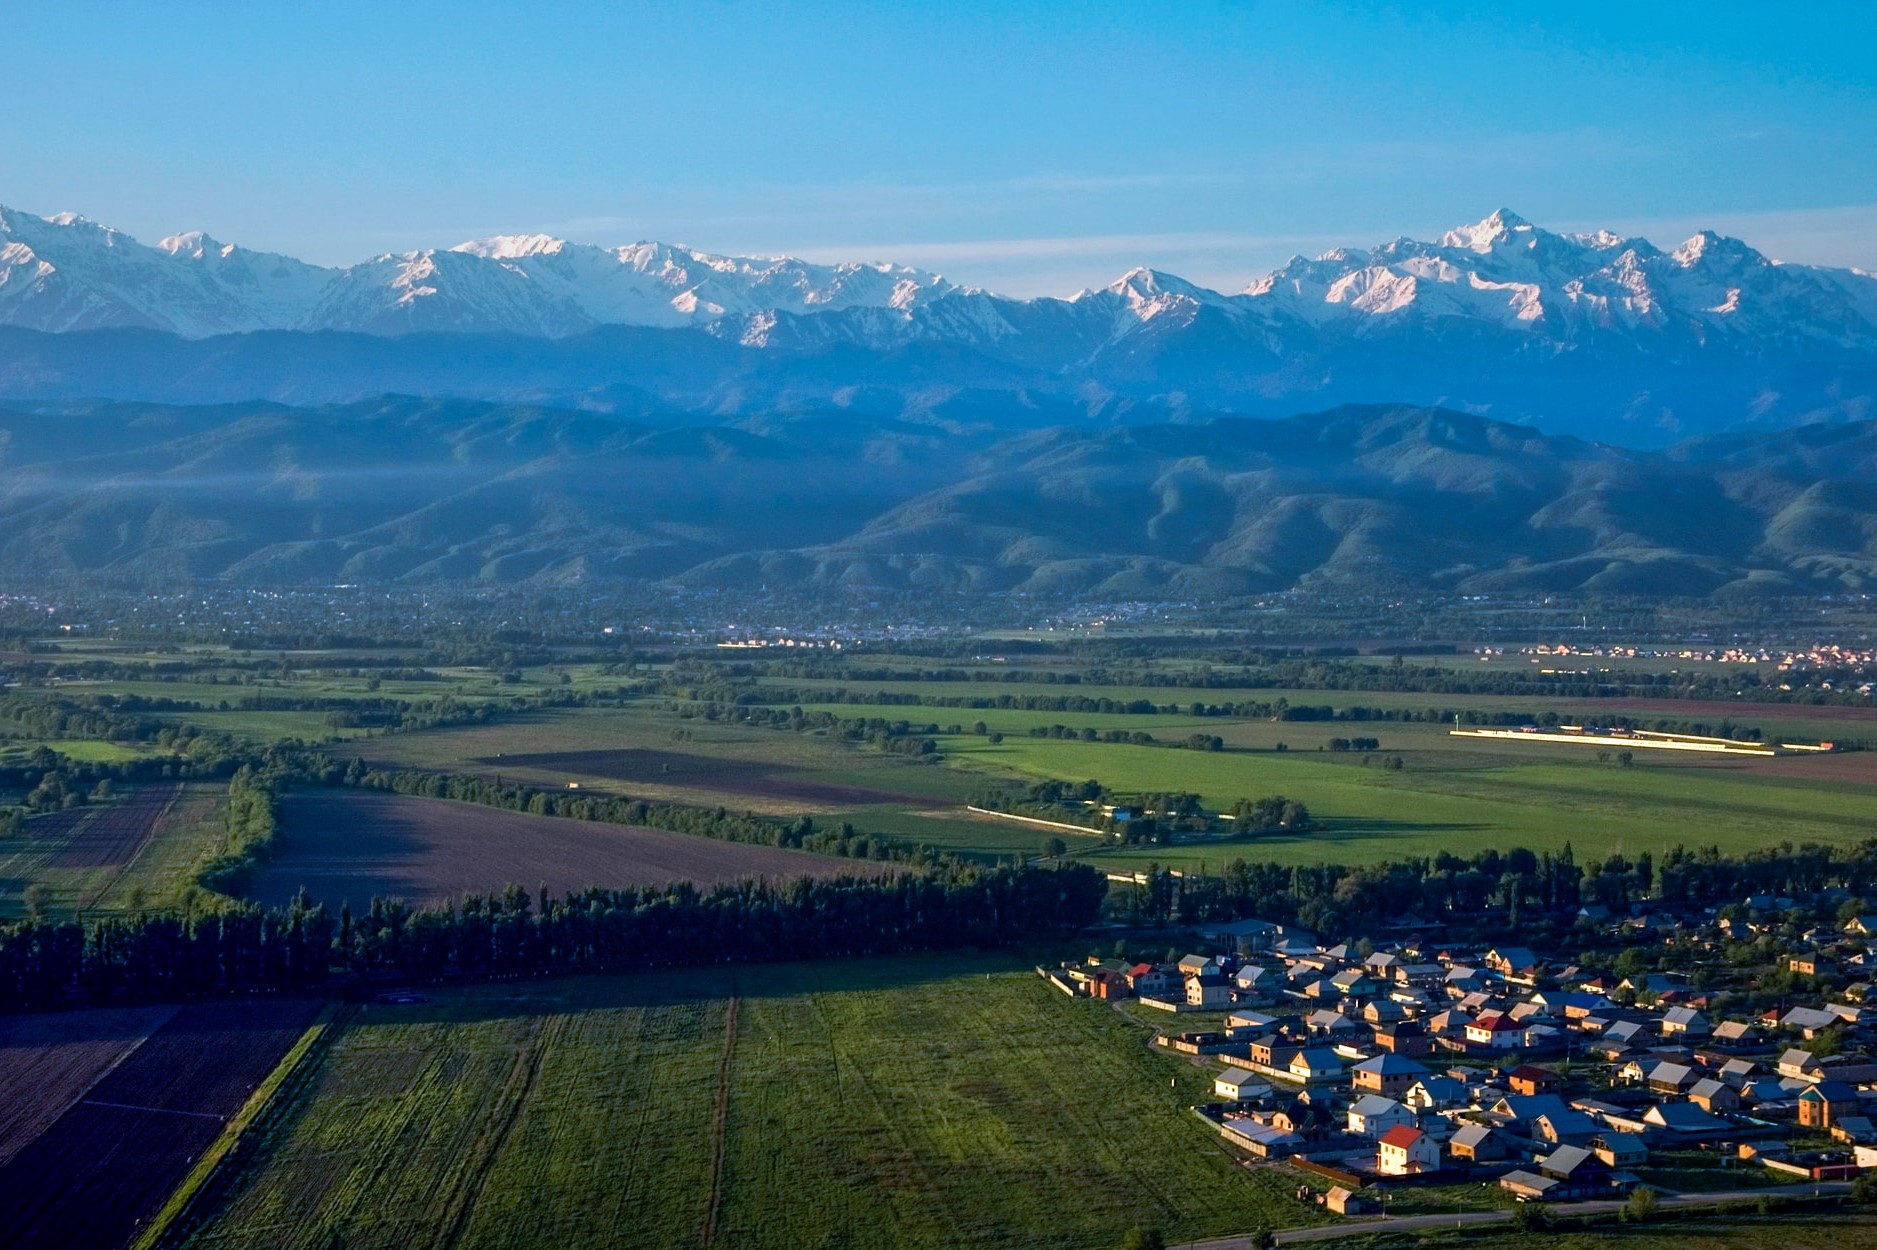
column 1404, row 1150
column 1496, row 1030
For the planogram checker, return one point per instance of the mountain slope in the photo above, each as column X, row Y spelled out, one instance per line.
column 1357, row 498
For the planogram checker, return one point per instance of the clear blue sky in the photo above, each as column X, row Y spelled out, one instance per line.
column 1025, row 146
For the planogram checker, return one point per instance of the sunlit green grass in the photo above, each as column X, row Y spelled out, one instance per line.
column 902, row 1104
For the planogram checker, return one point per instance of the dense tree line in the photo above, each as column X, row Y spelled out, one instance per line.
column 168, row 956
column 1506, row 892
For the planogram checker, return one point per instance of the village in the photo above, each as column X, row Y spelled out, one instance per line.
column 1389, row 1072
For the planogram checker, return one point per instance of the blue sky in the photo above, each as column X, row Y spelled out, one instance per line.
column 1030, row 147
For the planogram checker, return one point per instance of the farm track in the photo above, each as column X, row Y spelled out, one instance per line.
column 719, row 1125
column 488, row 1146
column 118, row 834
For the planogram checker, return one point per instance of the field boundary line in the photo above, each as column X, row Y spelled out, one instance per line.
column 131, row 1106
column 178, row 1206
column 720, row 1125
column 1038, row 822
column 149, row 836
column 16, row 1147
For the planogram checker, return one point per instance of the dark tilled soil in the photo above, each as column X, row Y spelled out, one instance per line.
column 112, row 1158
column 353, row 847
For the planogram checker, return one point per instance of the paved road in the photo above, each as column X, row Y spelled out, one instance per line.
column 1459, row 1219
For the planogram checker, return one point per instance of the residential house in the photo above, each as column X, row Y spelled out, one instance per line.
column 1195, row 965
column 1315, row 1063
column 1437, row 1093
column 1684, row 1023
column 1529, row 1078
column 1404, row 1038
column 1670, row 1078
column 1508, row 961
column 1208, row 991
column 1373, row 1115
column 1154, row 981
column 1563, row 1128
column 1518, row 1111
column 1809, row 1022
column 1308, row 1118
column 1479, row 1143
column 1494, row 1030
column 1683, row 1122
column 1825, row 1103
column 1354, row 983
column 1238, row 1085
column 1733, row 1035
column 1387, row 1074
column 1255, row 983
column 1267, row 1141
column 1405, row 1151
column 1620, row 1150
column 1714, row 1095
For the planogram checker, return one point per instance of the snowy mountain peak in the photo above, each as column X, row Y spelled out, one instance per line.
column 512, row 246
column 1502, row 228
column 1710, row 248
column 195, row 245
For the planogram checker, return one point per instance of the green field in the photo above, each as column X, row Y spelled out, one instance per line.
column 156, row 876
column 901, row 1103
column 1440, row 802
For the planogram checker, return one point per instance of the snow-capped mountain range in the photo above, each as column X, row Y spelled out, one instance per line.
column 1595, row 334
column 65, row 273
column 1503, row 274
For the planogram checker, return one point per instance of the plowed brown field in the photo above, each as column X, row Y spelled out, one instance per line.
column 353, row 847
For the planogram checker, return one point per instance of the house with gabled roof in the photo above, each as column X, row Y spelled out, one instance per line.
column 1372, row 1115
column 1823, row 1104
column 1684, row 1122
column 1685, row 1023
column 1315, row 1063
column 1714, row 1095
column 1437, row 1093
column 1478, row 1143
column 1405, row 1151
column 1494, row 1030
column 1387, row 1074
column 1569, row 1127
column 1529, row 1078
column 1238, row 1085
column 1267, row 1141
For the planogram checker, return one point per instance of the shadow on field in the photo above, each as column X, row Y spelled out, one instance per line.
column 577, row 993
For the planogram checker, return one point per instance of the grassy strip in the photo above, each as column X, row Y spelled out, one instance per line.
column 170, row 1216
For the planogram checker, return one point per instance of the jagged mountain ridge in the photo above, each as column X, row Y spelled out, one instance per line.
column 65, row 272
column 1356, row 499
column 1591, row 334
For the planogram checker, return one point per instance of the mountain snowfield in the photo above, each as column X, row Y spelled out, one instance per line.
column 66, row 273
column 1500, row 276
